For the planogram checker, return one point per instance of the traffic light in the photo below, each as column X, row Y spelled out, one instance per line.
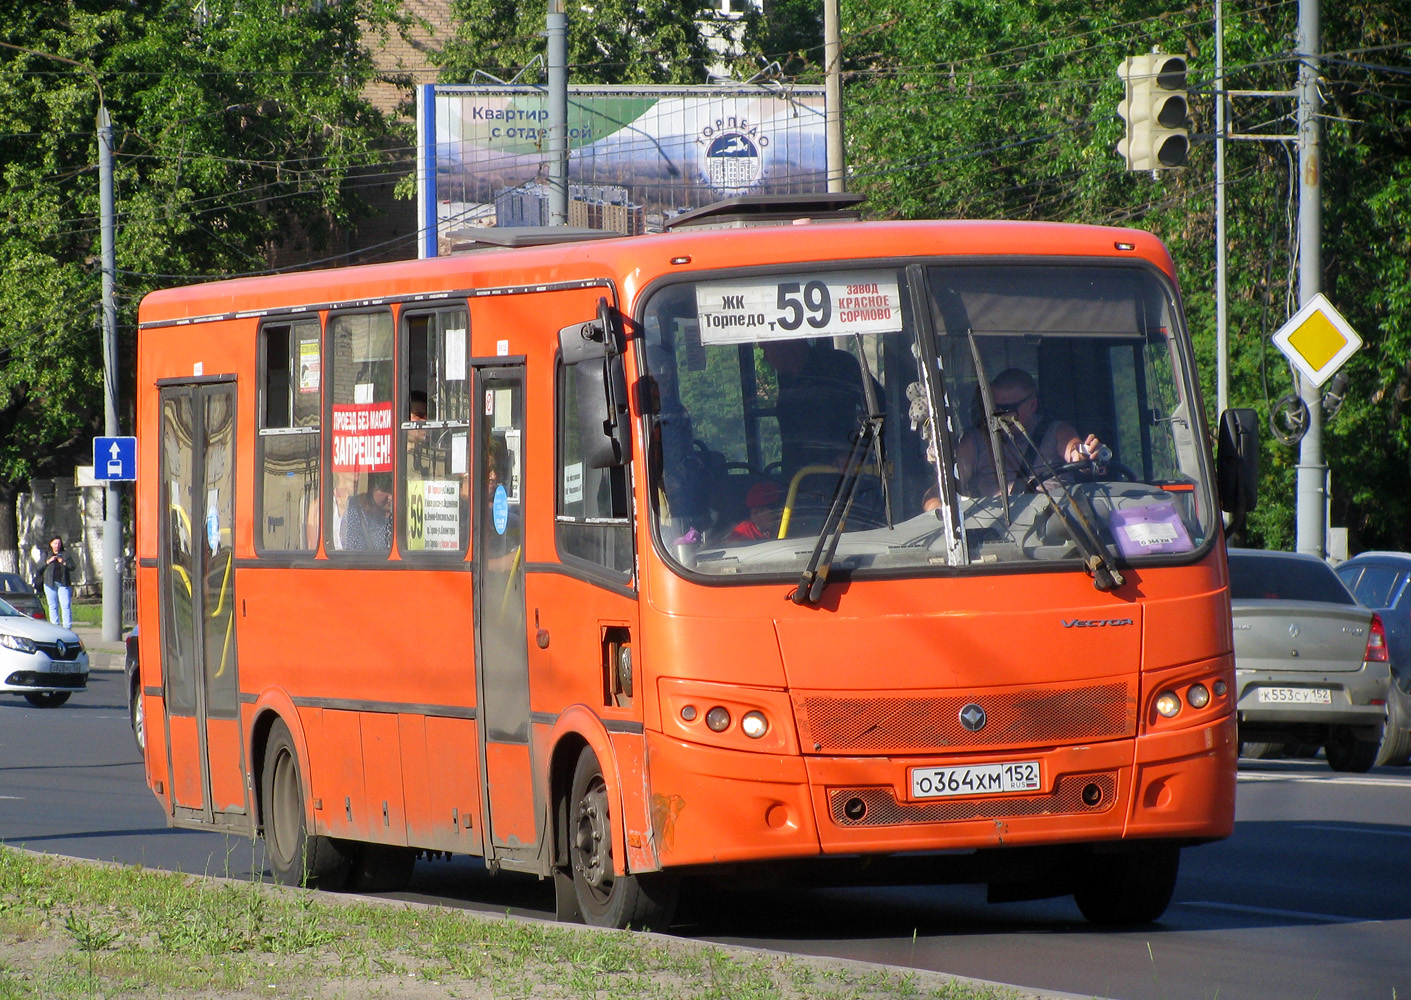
column 1155, row 111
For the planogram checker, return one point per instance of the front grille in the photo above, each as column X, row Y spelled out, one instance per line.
column 881, row 808
column 931, row 724
column 51, row 649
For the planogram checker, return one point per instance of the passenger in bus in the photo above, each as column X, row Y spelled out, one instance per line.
column 1038, row 451
column 820, row 401
column 504, row 536
column 367, row 525
column 764, row 501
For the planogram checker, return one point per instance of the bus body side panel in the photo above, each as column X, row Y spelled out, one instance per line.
column 451, row 777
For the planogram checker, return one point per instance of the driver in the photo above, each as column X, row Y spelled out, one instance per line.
column 1045, row 446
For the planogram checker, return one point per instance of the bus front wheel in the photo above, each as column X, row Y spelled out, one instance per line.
column 295, row 857
column 605, row 898
column 1132, row 886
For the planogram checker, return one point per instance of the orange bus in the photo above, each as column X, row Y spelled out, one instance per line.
column 626, row 560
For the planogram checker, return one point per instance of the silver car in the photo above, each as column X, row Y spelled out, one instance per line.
column 1311, row 663
column 43, row 662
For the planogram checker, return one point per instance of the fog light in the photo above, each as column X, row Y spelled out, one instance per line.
column 688, row 713
column 1168, row 704
column 1198, row 696
column 1219, row 689
column 754, row 725
column 718, row 719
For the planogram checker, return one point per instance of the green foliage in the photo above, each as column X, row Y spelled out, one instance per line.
column 1007, row 109
column 237, row 124
column 643, row 42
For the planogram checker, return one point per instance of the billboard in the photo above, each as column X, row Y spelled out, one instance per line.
column 638, row 155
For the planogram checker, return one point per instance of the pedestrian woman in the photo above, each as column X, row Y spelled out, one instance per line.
column 57, row 589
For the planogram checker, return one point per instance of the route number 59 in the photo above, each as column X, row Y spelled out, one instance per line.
column 815, row 305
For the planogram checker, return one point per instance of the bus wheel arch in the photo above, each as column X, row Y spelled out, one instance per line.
column 603, row 896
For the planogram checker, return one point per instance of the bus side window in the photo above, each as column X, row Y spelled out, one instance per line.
column 593, row 522
column 289, row 437
column 434, row 432
column 358, row 514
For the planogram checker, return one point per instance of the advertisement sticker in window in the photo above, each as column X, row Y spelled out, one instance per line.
column 362, row 437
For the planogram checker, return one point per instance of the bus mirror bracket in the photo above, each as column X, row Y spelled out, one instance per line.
column 1237, row 461
column 591, row 349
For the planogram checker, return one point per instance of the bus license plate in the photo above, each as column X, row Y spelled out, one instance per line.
column 976, row 779
column 1296, row 696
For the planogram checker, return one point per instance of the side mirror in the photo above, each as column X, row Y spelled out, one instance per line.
column 591, row 349
column 1237, row 461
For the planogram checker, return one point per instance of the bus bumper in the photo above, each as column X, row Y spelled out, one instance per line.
column 711, row 806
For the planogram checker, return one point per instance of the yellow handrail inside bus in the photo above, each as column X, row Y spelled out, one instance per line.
column 230, row 618
column 509, row 583
column 812, row 470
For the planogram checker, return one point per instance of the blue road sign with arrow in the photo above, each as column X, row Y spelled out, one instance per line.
column 115, row 459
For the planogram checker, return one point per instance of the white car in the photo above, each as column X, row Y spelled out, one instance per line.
column 43, row 662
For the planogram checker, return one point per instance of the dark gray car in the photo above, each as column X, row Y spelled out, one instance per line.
column 1310, row 662
column 1382, row 582
column 20, row 595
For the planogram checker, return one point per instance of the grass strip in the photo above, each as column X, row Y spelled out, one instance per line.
column 73, row 929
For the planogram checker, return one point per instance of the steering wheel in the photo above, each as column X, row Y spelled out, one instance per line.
column 1111, row 469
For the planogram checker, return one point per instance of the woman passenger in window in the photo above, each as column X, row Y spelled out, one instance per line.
column 367, row 524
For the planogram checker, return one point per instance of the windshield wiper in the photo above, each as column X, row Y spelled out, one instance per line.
column 815, row 575
column 993, row 422
column 1095, row 555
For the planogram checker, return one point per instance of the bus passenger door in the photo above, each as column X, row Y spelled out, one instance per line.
column 501, row 647
column 196, row 584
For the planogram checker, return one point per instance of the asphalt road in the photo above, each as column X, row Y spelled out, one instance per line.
column 1311, row 898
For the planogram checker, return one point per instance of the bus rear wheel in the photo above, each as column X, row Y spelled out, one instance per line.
column 605, row 898
column 1132, row 886
column 295, row 856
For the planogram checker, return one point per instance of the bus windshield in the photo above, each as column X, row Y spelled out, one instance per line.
column 762, row 389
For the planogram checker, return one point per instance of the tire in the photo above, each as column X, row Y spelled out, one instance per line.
column 1262, row 751
column 1396, row 741
column 1346, row 752
column 1127, row 887
column 47, row 699
column 295, row 857
column 604, row 898
column 137, row 715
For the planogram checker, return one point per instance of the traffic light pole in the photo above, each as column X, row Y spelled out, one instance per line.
column 1312, row 499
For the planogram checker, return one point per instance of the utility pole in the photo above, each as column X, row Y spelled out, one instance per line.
column 556, row 30
column 833, row 94
column 1312, row 471
column 1222, row 302
column 112, row 522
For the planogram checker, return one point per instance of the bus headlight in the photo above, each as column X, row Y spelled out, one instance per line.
column 1198, row 696
column 754, row 725
column 1168, row 703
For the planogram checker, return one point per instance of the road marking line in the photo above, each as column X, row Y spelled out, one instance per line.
column 1335, row 828
column 1265, row 911
column 1335, row 778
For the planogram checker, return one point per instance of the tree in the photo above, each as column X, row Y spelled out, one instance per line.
column 616, row 41
column 238, row 123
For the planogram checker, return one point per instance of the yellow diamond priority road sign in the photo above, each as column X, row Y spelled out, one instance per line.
column 1317, row 340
